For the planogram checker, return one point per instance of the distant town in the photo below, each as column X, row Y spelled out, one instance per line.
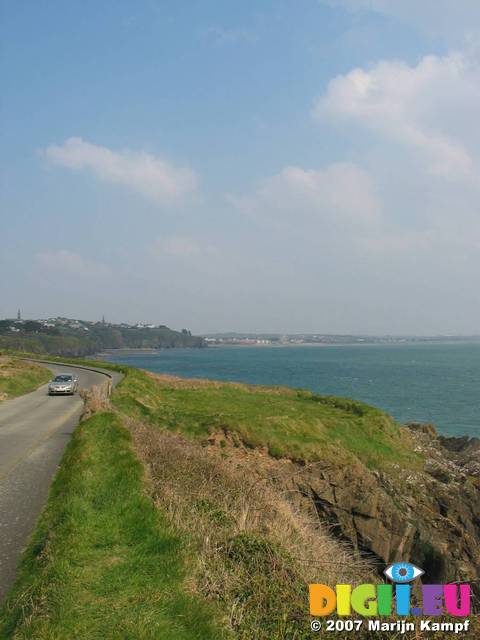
column 15, row 325
column 61, row 325
column 321, row 339
column 74, row 337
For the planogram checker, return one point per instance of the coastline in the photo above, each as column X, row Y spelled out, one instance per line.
column 399, row 343
column 420, row 382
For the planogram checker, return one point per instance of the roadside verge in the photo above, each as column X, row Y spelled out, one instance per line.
column 102, row 561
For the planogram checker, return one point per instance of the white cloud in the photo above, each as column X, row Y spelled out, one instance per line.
column 415, row 128
column 415, row 186
column 222, row 36
column 179, row 246
column 431, row 108
column 64, row 264
column 447, row 18
column 152, row 177
column 341, row 194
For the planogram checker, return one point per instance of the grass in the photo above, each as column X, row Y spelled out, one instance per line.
column 210, row 542
column 18, row 377
column 254, row 552
column 45, row 357
column 295, row 424
column 103, row 563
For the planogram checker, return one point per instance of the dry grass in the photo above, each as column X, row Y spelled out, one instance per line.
column 245, row 539
column 175, row 382
column 102, row 562
column 96, row 398
column 254, row 552
column 251, row 549
column 18, row 377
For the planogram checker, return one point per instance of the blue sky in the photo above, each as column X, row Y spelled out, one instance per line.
column 284, row 166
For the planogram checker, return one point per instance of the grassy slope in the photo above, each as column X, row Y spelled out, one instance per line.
column 102, row 563
column 253, row 552
column 105, row 563
column 296, row 424
column 18, row 377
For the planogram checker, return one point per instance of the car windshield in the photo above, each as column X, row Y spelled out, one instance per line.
column 63, row 378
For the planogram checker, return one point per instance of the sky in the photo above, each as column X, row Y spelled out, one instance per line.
column 271, row 166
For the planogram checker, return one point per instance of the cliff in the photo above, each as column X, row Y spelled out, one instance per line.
column 390, row 492
column 429, row 516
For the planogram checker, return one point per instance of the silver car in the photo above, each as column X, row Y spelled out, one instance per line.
column 63, row 384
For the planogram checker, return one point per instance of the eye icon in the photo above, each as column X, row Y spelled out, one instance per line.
column 403, row 572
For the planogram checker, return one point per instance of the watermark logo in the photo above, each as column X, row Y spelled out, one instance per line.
column 403, row 572
column 389, row 599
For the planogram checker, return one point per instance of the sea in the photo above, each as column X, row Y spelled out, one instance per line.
column 437, row 383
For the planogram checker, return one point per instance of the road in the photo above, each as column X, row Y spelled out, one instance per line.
column 34, row 431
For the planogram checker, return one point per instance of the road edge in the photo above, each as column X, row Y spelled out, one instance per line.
column 115, row 377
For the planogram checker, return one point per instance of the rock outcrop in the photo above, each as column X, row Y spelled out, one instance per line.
column 430, row 517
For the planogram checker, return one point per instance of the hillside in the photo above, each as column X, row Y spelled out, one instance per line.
column 200, row 509
column 379, row 485
column 66, row 337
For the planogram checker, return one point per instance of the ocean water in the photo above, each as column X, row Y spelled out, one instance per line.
column 437, row 383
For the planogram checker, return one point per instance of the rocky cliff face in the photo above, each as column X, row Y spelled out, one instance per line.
column 429, row 517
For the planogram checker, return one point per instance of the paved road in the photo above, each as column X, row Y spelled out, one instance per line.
column 34, row 431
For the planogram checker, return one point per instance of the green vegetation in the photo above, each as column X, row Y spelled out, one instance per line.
column 209, row 547
column 82, row 362
column 103, row 563
column 46, row 344
column 18, row 377
column 295, row 424
column 269, row 586
column 252, row 552
column 88, row 338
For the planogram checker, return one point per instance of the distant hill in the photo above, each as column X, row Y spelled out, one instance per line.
column 67, row 337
